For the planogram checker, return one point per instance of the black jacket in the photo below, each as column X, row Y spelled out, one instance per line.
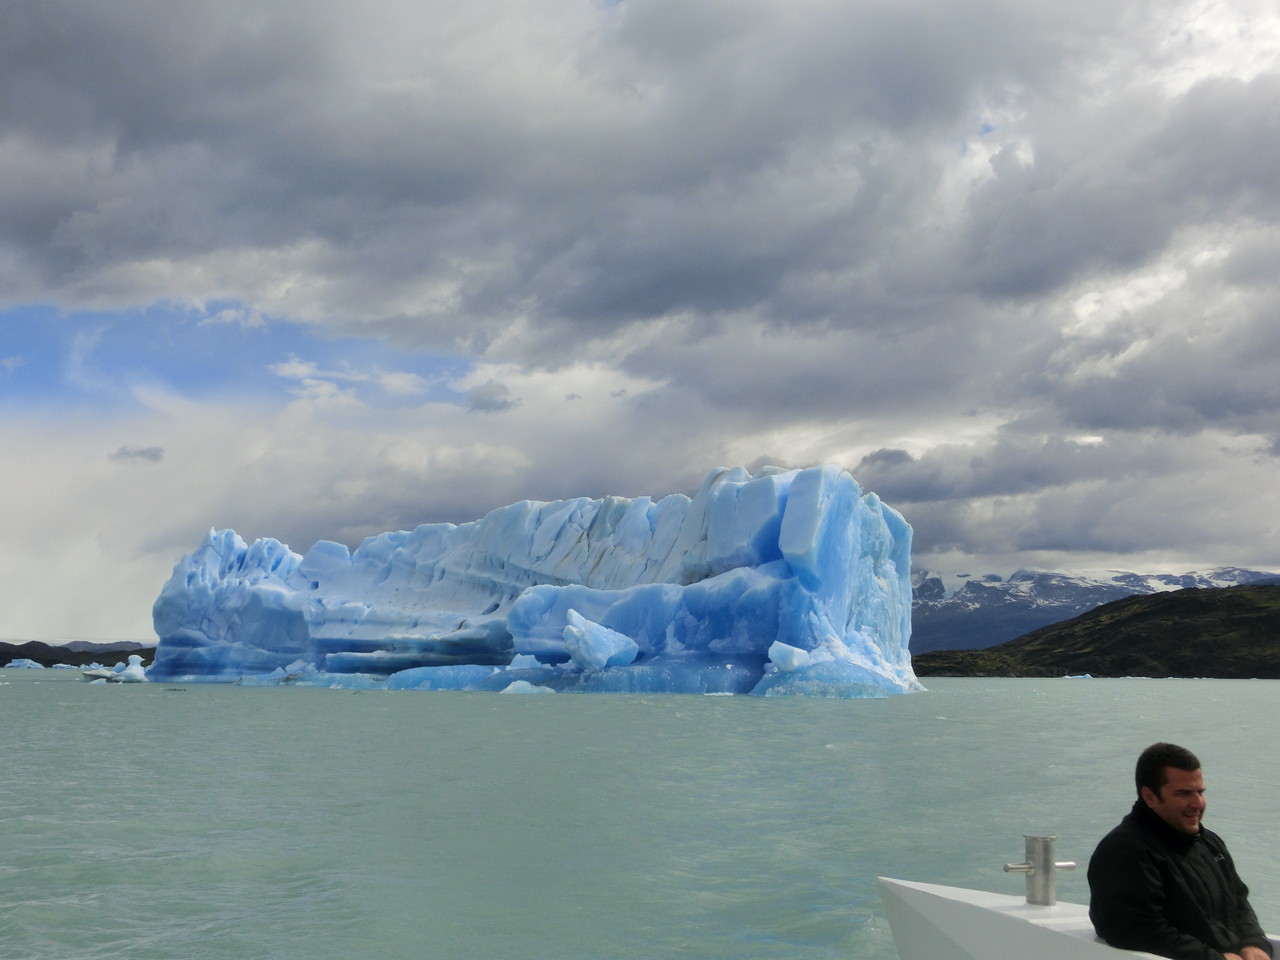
column 1178, row 895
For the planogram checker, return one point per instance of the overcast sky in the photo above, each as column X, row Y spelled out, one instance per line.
column 324, row 269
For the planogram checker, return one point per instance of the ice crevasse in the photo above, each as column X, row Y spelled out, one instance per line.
column 781, row 582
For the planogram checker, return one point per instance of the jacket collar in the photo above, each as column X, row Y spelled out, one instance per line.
column 1149, row 820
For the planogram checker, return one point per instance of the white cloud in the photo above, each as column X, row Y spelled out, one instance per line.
column 401, row 383
column 317, row 382
column 1218, row 38
column 295, row 369
column 241, row 316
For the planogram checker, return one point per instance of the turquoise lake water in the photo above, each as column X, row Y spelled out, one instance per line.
column 210, row 821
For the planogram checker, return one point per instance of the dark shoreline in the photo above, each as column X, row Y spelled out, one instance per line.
column 1219, row 633
column 79, row 654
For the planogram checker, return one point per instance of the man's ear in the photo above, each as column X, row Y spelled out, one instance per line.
column 1149, row 796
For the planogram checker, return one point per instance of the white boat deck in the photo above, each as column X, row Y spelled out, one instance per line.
column 933, row 922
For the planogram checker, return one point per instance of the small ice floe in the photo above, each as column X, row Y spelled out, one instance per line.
column 524, row 686
column 132, row 672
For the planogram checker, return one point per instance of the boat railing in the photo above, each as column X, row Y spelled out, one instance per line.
column 1041, row 869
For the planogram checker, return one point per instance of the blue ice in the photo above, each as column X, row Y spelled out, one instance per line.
column 782, row 582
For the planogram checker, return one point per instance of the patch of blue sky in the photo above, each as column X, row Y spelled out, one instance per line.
column 49, row 359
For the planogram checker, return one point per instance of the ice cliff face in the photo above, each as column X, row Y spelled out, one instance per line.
column 781, row 582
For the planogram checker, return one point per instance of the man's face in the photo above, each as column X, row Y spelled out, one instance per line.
column 1180, row 802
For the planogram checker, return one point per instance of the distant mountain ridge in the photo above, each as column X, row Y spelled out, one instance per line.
column 1229, row 632
column 989, row 609
column 76, row 653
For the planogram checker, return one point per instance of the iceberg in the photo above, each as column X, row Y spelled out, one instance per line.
column 774, row 583
column 134, row 672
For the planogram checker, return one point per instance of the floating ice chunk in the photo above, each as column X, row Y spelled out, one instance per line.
column 787, row 658
column 524, row 686
column 131, row 673
column 593, row 647
column 22, row 663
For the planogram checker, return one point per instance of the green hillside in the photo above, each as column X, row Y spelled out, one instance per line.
column 1231, row 632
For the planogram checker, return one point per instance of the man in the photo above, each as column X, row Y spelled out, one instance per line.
column 1161, row 882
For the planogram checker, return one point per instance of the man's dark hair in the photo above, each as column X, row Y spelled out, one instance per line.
column 1155, row 759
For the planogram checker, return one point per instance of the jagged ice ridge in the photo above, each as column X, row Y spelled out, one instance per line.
column 781, row 582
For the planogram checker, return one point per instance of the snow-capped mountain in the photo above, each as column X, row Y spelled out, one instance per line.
column 972, row 613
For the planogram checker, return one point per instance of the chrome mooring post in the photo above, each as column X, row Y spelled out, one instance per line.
column 1041, row 869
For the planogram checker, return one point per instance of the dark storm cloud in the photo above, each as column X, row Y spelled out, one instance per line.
column 491, row 397
column 145, row 454
column 1221, row 378
column 1155, row 165
column 766, row 374
column 1047, row 496
column 697, row 159
column 1201, row 356
column 1008, row 466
